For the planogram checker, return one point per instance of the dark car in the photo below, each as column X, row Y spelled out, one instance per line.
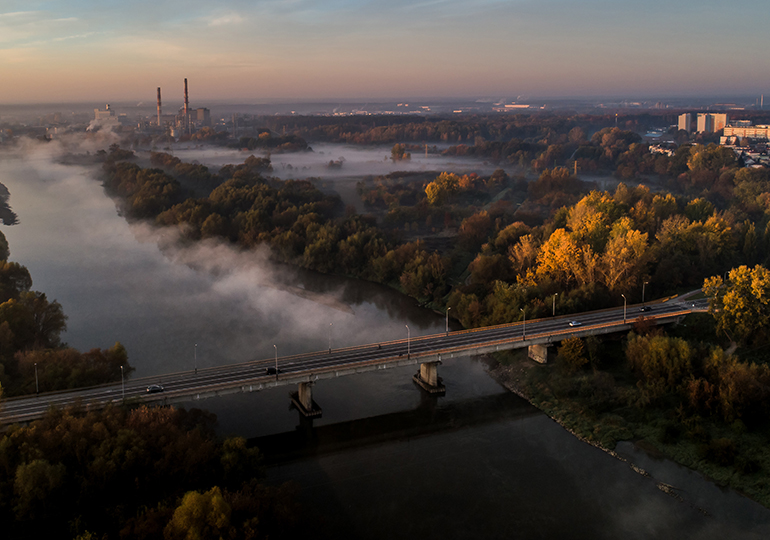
column 272, row 371
column 155, row 388
column 645, row 308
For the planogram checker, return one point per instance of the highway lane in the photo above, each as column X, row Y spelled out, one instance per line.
column 253, row 374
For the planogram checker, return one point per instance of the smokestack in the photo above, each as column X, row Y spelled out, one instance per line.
column 186, row 108
column 186, row 100
column 159, row 106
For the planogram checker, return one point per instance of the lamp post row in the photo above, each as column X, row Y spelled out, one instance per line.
column 408, row 333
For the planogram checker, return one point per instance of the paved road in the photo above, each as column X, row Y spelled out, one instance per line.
column 252, row 376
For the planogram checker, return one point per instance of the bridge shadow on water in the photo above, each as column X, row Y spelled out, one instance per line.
column 429, row 418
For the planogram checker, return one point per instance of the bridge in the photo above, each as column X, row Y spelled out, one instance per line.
column 304, row 370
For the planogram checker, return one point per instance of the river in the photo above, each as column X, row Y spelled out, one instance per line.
column 384, row 461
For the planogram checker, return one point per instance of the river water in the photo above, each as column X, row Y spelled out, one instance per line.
column 384, row 461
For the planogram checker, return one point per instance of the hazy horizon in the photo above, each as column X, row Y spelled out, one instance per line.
column 307, row 50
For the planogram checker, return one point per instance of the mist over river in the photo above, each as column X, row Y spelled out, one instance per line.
column 385, row 460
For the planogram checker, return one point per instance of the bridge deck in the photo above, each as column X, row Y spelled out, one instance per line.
column 252, row 376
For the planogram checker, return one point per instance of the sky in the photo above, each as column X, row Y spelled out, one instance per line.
column 263, row 50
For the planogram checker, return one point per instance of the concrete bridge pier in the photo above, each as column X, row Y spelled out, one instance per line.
column 302, row 399
column 538, row 353
column 427, row 378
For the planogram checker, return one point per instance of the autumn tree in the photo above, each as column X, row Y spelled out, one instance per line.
column 442, row 188
column 741, row 305
column 200, row 516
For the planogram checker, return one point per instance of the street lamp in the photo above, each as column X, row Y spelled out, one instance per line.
column 122, row 384
column 196, row 358
column 408, row 335
column 330, row 337
column 524, row 328
column 276, row 361
column 554, row 304
column 624, row 308
column 643, row 284
column 447, row 320
column 37, row 385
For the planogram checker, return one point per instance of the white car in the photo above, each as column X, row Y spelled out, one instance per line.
column 575, row 323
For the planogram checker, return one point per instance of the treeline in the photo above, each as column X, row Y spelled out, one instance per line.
column 145, row 473
column 543, row 128
column 606, row 245
column 301, row 225
column 272, row 143
column 30, row 340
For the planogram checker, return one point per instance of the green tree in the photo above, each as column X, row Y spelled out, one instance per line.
column 661, row 362
column 34, row 485
column 572, row 353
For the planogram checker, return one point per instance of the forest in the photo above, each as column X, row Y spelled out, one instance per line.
column 494, row 249
column 141, row 473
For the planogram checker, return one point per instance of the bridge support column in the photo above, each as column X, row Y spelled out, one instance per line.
column 302, row 399
column 427, row 378
column 538, row 353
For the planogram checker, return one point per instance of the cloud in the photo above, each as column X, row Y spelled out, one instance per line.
column 227, row 19
column 24, row 26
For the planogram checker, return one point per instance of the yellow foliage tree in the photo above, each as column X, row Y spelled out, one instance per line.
column 200, row 516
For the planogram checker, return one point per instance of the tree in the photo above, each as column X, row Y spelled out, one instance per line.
column 442, row 188
column 200, row 516
column 14, row 279
column 572, row 353
column 33, row 486
column 625, row 257
column 661, row 362
column 399, row 153
column 741, row 306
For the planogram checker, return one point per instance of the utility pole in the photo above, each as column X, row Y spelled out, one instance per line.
column 408, row 336
column 624, row 308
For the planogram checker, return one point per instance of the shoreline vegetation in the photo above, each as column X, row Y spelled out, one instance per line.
column 601, row 405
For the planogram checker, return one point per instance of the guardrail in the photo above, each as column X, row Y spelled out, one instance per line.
column 263, row 381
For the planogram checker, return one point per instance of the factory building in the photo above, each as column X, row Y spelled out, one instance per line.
column 103, row 114
column 186, row 120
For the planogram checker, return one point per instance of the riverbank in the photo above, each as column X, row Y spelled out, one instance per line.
column 652, row 435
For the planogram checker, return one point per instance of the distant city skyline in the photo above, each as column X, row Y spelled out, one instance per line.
column 258, row 51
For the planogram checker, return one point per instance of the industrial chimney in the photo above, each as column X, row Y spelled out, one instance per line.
column 159, row 106
column 186, row 108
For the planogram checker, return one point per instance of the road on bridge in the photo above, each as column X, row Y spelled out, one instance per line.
column 254, row 375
